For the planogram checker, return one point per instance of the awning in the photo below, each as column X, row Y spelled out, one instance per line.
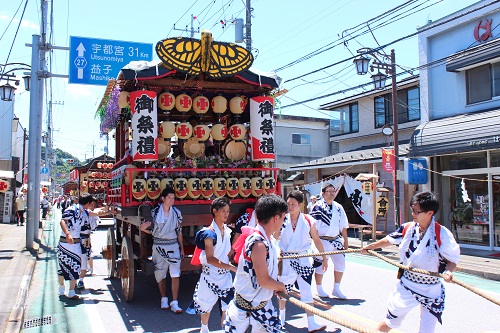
column 6, row 174
column 296, row 176
column 458, row 134
column 474, row 56
column 365, row 156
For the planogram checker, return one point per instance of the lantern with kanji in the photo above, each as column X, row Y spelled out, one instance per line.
column 201, row 132
column 166, row 101
column 219, row 132
column 194, row 188
column 257, row 186
column 233, row 187
column 219, row 104
column 166, row 182
column 200, row 104
column 181, row 187
column 207, row 187
column 184, row 130
column 110, row 165
column 220, row 186
column 245, row 186
column 269, row 185
column 238, row 104
column 367, row 187
column 237, row 131
column 183, row 103
column 5, row 186
column 139, row 189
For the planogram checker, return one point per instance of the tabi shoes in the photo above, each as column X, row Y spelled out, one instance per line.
column 164, row 303
column 321, row 292
column 174, row 307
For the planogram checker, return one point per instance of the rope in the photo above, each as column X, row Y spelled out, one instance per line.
column 329, row 316
column 319, row 254
column 421, row 271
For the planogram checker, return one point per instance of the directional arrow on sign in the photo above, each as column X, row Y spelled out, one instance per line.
column 80, row 62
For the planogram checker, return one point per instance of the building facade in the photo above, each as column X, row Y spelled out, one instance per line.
column 460, row 132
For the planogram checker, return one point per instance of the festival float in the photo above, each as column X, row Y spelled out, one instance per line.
column 200, row 121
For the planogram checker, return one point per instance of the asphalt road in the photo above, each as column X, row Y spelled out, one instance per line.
column 367, row 283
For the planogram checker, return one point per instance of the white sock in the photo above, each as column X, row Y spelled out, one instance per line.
column 336, row 286
column 310, row 320
column 71, row 293
column 282, row 316
column 204, row 328
column 319, row 287
column 62, row 289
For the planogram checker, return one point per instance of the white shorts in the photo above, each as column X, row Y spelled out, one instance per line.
column 166, row 257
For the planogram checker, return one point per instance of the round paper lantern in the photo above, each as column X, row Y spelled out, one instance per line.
column 104, row 165
column 194, row 188
column 237, row 131
column 98, row 174
column 110, row 165
column 234, row 150
column 166, row 130
column 237, row 104
column 184, row 130
column 83, row 189
column 97, row 185
column 129, row 174
column 220, row 187
column 164, row 148
column 91, row 185
column 201, row 132
column 219, row 104
column 139, row 189
column 233, row 187
column 219, row 132
column 105, row 184
column 245, row 186
column 4, row 186
column 99, row 165
column 257, row 186
column 153, row 188
column 124, row 99
column 183, row 103
column 269, row 185
column 200, row 104
column 166, row 182
column 207, row 187
column 166, row 101
column 180, row 187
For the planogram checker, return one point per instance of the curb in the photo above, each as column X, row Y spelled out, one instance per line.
column 16, row 317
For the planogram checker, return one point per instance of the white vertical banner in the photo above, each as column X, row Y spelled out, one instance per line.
column 315, row 188
column 262, row 128
column 362, row 202
column 144, row 125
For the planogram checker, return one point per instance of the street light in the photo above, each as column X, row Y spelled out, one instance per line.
column 382, row 61
column 7, row 90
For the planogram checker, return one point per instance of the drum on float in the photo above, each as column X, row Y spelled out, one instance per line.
column 192, row 148
column 269, row 185
column 220, row 186
column 207, row 187
column 194, row 188
column 233, row 187
column 139, row 189
column 234, row 150
column 245, row 187
column 164, row 148
column 153, row 188
column 181, row 187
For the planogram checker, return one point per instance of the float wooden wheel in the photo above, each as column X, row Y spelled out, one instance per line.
column 127, row 269
column 111, row 254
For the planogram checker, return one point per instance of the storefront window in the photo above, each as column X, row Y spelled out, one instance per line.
column 495, row 158
column 464, row 161
column 470, row 209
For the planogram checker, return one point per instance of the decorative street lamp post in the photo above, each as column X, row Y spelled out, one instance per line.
column 382, row 61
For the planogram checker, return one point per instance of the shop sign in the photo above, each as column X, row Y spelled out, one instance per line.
column 482, row 31
column 388, row 159
column 416, row 171
column 494, row 139
column 382, row 206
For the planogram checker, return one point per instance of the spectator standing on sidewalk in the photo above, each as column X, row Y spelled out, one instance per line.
column 20, row 203
column 45, row 207
column 426, row 245
column 332, row 225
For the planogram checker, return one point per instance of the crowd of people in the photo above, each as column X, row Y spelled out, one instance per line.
column 250, row 252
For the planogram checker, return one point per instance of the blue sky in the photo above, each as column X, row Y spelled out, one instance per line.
column 282, row 32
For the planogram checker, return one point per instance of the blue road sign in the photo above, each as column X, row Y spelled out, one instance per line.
column 45, row 170
column 96, row 61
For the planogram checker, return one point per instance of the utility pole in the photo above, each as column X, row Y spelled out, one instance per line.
column 248, row 26
column 49, row 152
column 192, row 29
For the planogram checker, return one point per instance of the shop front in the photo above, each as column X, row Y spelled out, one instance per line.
column 465, row 158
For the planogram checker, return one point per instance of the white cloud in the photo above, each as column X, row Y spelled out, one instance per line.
column 79, row 90
column 24, row 23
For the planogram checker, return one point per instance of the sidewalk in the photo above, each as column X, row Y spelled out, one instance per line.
column 16, row 269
